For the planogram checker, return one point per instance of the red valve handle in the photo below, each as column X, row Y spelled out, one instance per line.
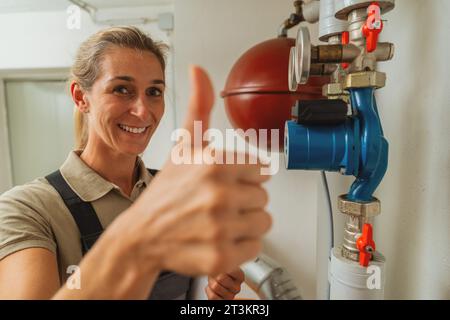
column 373, row 26
column 365, row 245
column 345, row 39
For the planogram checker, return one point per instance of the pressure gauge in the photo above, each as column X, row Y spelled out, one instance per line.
column 292, row 79
column 303, row 53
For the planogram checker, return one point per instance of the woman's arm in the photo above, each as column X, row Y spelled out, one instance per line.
column 29, row 274
column 111, row 270
column 107, row 273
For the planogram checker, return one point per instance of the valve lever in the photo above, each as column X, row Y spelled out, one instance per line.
column 373, row 27
column 345, row 39
column 365, row 245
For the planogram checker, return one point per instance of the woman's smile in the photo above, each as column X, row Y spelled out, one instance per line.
column 133, row 130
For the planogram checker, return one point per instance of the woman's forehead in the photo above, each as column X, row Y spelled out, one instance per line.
column 131, row 62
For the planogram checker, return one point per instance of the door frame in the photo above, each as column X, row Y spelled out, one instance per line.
column 41, row 74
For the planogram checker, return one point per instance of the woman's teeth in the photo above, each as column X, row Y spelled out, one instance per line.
column 132, row 129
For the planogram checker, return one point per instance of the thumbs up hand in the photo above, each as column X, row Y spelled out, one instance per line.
column 200, row 219
column 202, row 100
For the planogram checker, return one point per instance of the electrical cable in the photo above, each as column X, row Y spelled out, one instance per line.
column 330, row 208
column 330, row 215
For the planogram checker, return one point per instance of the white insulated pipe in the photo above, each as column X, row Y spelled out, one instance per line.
column 351, row 281
column 328, row 25
column 311, row 11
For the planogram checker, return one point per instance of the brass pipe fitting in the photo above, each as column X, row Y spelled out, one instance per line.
column 334, row 53
column 364, row 79
column 358, row 213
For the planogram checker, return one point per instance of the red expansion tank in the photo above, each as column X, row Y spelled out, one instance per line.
column 256, row 93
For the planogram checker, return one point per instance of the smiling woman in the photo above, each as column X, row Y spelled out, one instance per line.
column 97, row 53
column 182, row 221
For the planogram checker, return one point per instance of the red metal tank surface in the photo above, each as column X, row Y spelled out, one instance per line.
column 257, row 94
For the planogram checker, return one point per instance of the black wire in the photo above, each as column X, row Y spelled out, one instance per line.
column 330, row 208
column 330, row 214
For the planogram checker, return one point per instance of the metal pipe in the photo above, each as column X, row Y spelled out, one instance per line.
column 334, row 53
column 384, row 51
column 269, row 280
column 329, row 26
column 293, row 20
column 322, row 69
column 310, row 11
column 304, row 11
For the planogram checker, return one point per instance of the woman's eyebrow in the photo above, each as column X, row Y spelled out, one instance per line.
column 158, row 81
column 131, row 79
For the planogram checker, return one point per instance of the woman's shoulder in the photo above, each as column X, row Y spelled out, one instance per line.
column 25, row 217
column 37, row 195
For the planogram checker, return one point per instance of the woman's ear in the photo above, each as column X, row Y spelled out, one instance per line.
column 79, row 97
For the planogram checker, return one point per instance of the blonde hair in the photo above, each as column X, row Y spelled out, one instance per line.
column 86, row 67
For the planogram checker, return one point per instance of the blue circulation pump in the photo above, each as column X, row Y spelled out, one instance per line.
column 324, row 138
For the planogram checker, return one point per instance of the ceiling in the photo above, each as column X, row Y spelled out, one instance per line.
column 12, row 6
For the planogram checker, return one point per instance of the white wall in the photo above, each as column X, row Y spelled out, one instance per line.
column 413, row 229
column 34, row 41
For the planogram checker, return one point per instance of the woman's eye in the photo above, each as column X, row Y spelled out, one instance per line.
column 154, row 92
column 121, row 90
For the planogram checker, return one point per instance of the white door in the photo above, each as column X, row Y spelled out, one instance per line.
column 40, row 127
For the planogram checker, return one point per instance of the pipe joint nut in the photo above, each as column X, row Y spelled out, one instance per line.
column 359, row 209
column 333, row 89
column 373, row 79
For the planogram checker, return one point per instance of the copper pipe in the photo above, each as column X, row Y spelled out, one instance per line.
column 334, row 53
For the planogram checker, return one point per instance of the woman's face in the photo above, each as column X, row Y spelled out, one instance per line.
column 126, row 101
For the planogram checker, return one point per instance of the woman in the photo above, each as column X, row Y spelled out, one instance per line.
column 191, row 219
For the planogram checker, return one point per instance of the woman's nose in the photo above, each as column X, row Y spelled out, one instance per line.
column 141, row 108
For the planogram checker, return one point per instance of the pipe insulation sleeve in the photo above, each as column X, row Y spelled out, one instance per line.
column 328, row 25
column 350, row 281
column 311, row 11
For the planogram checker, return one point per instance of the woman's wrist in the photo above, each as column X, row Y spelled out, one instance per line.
column 133, row 270
column 115, row 268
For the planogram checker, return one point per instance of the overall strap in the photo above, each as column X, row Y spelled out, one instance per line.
column 83, row 213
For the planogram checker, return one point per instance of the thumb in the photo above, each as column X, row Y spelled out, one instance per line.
column 201, row 101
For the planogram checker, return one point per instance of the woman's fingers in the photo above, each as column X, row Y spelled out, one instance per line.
column 231, row 284
column 243, row 251
column 220, row 290
column 212, row 295
column 249, row 225
column 237, row 275
column 251, row 173
column 225, row 285
column 249, row 196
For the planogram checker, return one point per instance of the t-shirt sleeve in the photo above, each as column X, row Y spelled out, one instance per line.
column 21, row 224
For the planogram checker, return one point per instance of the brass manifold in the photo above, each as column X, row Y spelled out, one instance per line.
column 344, row 53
